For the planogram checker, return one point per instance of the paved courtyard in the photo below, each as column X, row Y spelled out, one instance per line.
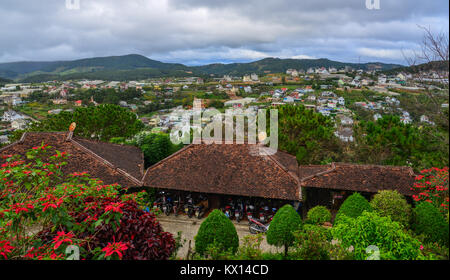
column 189, row 228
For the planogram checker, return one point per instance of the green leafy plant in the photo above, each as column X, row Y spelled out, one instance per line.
column 370, row 229
column 428, row 220
column 314, row 243
column 251, row 247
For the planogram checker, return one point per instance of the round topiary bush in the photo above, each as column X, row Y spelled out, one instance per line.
column 319, row 215
column 353, row 207
column 284, row 223
column 392, row 204
column 429, row 221
column 218, row 231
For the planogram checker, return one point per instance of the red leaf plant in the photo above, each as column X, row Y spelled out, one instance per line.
column 43, row 212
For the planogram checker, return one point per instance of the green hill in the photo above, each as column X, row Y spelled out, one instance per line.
column 277, row 65
column 424, row 67
column 131, row 67
column 4, row 81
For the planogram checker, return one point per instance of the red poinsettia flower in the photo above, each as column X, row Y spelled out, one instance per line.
column 114, row 207
column 51, row 202
column 61, row 238
column 21, row 207
column 5, row 248
column 115, row 247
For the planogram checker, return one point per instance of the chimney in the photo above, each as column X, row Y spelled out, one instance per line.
column 71, row 130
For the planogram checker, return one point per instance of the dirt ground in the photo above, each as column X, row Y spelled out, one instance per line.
column 189, row 228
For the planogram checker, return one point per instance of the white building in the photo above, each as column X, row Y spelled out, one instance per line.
column 346, row 121
column 240, row 102
column 326, row 113
column 377, row 116
column 345, row 134
column 19, row 124
column 248, row 89
column 246, row 78
column 331, row 105
column 11, row 115
column 425, row 119
column 288, row 99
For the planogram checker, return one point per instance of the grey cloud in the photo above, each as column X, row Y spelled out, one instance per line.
column 200, row 31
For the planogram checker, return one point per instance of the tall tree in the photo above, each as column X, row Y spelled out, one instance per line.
column 307, row 134
column 102, row 122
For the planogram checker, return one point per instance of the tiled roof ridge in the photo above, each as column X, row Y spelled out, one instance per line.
column 338, row 164
column 332, row 166
column 285, row 169
column 116, row 145
column 24, row 135
column 100, row 142
column 106, row 162
column 166, row 159
column 72, row 140
column 409, row 168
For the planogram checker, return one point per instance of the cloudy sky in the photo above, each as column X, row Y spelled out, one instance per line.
column 196, row 32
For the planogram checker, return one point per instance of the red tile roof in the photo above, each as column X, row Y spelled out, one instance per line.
column 232, row 169
column 108, row 162
column 360, row 178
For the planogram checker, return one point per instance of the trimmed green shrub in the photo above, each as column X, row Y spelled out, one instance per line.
column 284, row 223
column 217, row 231
column 392, row 204
column 370, row 229
column 429, row 221
column 353, row 207
column 319, row 215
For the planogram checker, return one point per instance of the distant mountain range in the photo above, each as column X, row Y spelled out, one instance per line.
column 424, row 67
column 135, row 67
column 3, row 80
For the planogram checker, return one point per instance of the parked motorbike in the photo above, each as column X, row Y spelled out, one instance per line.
column 227, row 211
column 166, row 203
column 239, row 211
column 249, row 210
column 264, row 214
column 189, row 206
column 272, row 214
column 167, row 206
column 176, row 206
column 201, row 207
column 157, row 204
column 256, row 227
column 199, row 211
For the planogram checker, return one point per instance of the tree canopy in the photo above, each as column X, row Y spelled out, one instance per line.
column 307, row 134
column 390, row 142
column 102, row 122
